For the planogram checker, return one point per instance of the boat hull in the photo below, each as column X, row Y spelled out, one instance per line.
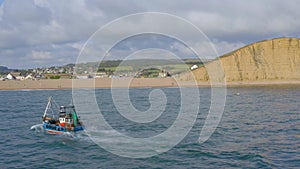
column 57, row 129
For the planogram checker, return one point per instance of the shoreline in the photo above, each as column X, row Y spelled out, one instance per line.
column 129, row 83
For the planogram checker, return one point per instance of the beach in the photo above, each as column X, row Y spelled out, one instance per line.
column 87, row 83
column 127, row 83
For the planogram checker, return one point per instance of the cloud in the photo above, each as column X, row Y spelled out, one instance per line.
column 247, row 21
column 224, row 47
column 40, row 55
column 60, row 28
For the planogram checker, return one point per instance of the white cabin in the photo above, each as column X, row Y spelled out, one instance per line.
column 194, row 67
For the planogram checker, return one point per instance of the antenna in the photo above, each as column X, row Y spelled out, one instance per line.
column 48, row 106
column 71, row 103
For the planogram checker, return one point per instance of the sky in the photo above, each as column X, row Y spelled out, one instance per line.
column 41, row 33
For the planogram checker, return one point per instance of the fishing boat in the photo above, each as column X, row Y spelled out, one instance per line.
column 66, row 120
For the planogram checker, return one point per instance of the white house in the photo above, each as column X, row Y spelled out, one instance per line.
column 82, row 76
column 11, row 77
column 29, row 77
column 20, row 77
column 100, row 75
column 194, row 67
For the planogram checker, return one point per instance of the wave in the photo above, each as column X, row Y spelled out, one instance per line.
column 37, row 128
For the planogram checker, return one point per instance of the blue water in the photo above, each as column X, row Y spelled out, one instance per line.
column 260, row 128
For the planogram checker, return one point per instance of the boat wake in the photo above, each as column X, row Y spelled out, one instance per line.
column 37, row 128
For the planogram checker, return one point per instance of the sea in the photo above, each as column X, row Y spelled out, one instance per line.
column 259, row 128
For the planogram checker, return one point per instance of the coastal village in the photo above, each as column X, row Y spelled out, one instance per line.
column 37, row 73
column 88, row 71
column 53, row 74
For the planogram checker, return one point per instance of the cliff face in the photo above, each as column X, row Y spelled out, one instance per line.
column 274, row 59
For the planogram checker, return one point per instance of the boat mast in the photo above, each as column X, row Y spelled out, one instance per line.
column 48, row 105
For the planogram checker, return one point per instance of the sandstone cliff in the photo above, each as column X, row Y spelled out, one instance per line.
column 276, row 59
